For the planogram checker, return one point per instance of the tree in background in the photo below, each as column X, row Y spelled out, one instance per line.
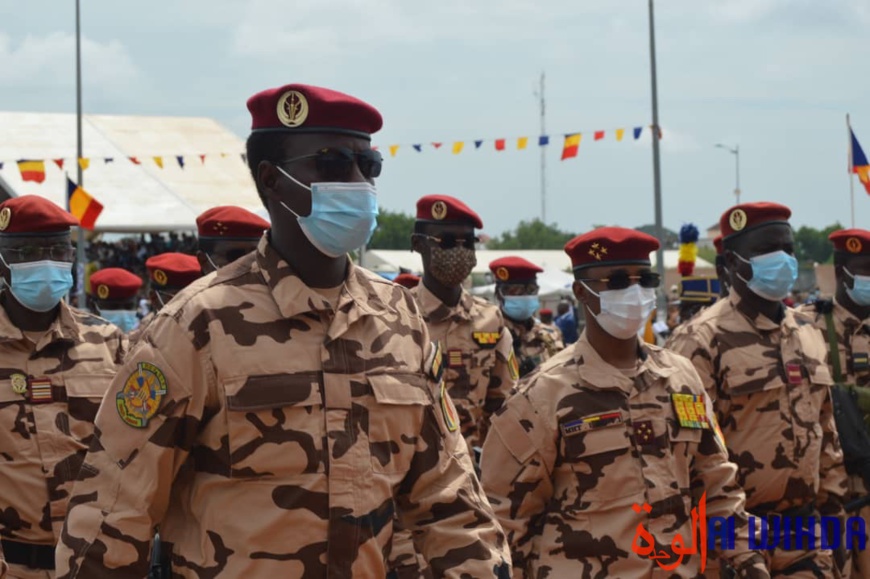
column 812, row 246
column 393, row 232
column 671, row 238
column 533, row 234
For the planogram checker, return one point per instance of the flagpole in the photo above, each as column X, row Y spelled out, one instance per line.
column 543, row 156
column 851, row 169
column 657, row 176
column 80, row 237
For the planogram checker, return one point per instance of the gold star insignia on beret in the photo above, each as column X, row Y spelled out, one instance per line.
column 597, row 250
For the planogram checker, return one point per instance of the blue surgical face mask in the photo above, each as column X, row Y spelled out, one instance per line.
column 40, row 285
column 520, row 308
column 773, row 274
column 343, row 215
column 124, row 319
column 860, row 292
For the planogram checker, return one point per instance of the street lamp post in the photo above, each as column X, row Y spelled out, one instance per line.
column 736, row 152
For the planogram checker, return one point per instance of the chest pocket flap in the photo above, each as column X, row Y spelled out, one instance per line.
column 399, row 389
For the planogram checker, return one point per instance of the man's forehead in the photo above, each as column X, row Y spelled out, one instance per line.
column 34, row 240
column 858, row 262
column 450, row 227
column 312, row 142
column 776, row 232
column 603, row 271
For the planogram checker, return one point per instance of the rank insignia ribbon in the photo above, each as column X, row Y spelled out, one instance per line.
column 691, row 410
column 793, row 371
column 590, row 423
column 40, row 390
column 486, row 339
column 643, row 432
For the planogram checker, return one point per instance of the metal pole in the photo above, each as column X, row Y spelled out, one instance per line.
column 657, row 177
column 737, row 188
column 543, row 155
column 80, row 238
column 851, row 169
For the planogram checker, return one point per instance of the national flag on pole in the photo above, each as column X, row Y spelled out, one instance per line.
column 82, row 205
column 860, row 166
column 32, row 170
column 572, row 144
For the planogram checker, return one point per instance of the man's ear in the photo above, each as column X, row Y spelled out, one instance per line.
column 417, row 243
column 579, row 290
column 267, row 179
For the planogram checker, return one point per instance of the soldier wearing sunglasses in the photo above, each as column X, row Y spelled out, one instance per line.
column 516, row 289
column 57, row 363
column 605, row 426
column 225, row 234
column 764, row 366
column 279, row 415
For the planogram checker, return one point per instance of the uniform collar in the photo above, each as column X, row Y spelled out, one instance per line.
column 293, row 297
column 433, row 309
column 599, row 373
column 757, row 320
column 850, row 320
column 64, row 327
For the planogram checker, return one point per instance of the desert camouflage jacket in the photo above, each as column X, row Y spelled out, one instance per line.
column 479, row 365
column 853, row 341
column 269, row 434
column 771, row 389
column 533, row 343
column 581, row 446
column 49, row 396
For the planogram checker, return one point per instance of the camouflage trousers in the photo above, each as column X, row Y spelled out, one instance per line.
column 405, row 562
column 23, row 572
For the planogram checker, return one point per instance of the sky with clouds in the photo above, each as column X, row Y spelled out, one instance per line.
column 776, row 77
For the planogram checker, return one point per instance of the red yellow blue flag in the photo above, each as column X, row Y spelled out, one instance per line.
column 860, row 166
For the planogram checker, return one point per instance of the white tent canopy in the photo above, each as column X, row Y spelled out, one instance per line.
column 136, row 198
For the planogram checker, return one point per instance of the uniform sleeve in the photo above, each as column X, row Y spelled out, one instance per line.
column 832, row 473
column 442, row 501
column 501, row 381
column 516, row 468
column 715, row 475
column 689, row 345
column 124, row 485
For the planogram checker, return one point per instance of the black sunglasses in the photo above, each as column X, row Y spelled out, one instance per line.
column 336, row 163
column 621, row 280
column 449, row 240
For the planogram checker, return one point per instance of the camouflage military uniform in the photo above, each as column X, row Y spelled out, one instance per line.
column 479, row 369
column 49, row 395
column 134, row 335
column 771, row 390
column 287, row 434
column 533, row 343
column 580, row 443
column 853, row 344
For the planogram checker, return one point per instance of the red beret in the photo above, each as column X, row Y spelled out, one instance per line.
column 851, row 241
column 742, row 218
column 443, row 208
column 173, row 270
column 611, row 246
column 300, row 108
column 514, row 269
column 34, row 215
column 230, row 222
column 717, row 243
column 408, row 280
column 114, row 283
column 546, row 312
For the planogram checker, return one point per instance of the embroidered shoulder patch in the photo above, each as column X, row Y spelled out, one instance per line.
column 513, row 367
column 691, row 410
column 447, row 409
column 590, row 423
column 436, row 365
column 142, row 394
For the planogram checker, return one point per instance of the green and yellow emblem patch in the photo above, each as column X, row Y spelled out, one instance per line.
column 141, row 396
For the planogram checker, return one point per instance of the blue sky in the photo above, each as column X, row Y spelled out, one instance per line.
column 775, row 76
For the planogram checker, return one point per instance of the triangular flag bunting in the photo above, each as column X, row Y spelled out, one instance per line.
column 158, row 161
column 32, row 170
column 436, row 145
column 499, row 144
column 84, row 163
column 599, row 135
column 418, row 148
column 571, row 146
column 59, row 163
column 478, row 143
column 543, row 140
column 108, row 160
column 245, row 158
column 522, row 142
column 637, row 132
column 393, row 150
column 457, row 147
column 134, row 160
column 619, row 134
column 202, row 159
column 180, row 160
column 82, row 205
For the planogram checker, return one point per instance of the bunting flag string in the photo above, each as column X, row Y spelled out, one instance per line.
column 34, row 170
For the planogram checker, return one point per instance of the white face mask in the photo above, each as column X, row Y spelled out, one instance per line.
column 624, row 312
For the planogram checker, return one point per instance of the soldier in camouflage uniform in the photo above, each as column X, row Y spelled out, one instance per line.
column 763, row 364
column 225, row 234
column 849, row 317
column 113, row 291
column 278, row 413
column 516, row 289
column 609, row 437
column 57, row 362
column 168, row 274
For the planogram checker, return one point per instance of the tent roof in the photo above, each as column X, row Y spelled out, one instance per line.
column 135, row 197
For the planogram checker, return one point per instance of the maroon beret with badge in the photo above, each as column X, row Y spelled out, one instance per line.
column 114, row 283
column 230, row 222
column 545, row 312
column 514, row 270
column 173, row 270
column 446, row 209
column 611, row 246
column 34, row 215
column 851, row 241
column 409, row 280
column 301, row 108
column 746, row 217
